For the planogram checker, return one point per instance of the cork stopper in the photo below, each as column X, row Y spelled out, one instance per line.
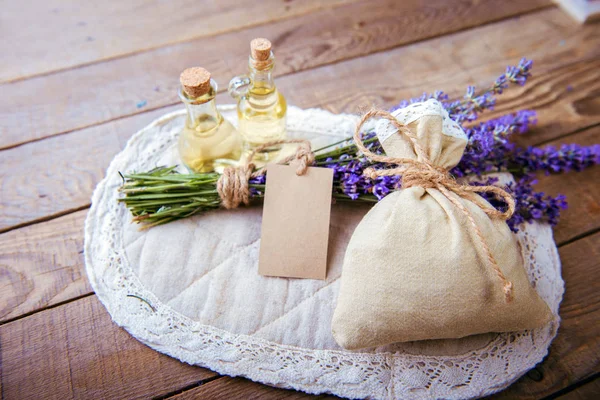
column 195, row 81
column 260, row 49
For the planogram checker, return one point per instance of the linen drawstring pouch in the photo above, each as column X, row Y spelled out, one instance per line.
column 432, row 260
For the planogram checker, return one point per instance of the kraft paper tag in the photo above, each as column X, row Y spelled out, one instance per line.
column 295, row 223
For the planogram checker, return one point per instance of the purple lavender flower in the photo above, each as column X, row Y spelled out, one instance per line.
column 520, row 73
column 550, row 159
column 384, row 185
column 529, row 205
column 489, row 147
column 259, row 180
column 472, row 104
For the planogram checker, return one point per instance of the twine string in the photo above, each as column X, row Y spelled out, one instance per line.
column 422, row 172
column 233, row 185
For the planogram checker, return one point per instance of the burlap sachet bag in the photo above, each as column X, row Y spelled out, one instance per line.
column 432, row 260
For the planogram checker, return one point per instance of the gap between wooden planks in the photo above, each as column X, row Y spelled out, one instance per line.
column 586, row 391
column 564, row 92
column 84, row 33
column 98, row 93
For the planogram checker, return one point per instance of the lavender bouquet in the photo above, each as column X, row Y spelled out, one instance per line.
column 162, row 195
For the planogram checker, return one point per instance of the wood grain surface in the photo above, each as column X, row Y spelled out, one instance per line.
column 105, row 91
column 581, row 188
column 42, row 265
column 76, row 351
column 86, row 32
column 80, row 78
column 237, row 388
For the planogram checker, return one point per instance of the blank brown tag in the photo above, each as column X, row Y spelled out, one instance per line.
column 295, row 223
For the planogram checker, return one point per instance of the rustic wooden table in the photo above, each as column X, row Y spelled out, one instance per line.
column 77, row 79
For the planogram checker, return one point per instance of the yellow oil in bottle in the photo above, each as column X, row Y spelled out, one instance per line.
column 261, row 107
column 262, row 116
column 208, row 142
column 209, row 145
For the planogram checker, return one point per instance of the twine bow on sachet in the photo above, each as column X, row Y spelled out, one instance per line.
column 422, row 172
column 233, row 186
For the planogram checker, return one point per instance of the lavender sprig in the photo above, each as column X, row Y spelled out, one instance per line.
column 470, row 106
column 529, row 205
column 550, row 159
column 473, row 103
column 489, row 148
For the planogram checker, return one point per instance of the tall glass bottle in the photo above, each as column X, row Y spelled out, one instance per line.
column 208, row 142
column 261, row 107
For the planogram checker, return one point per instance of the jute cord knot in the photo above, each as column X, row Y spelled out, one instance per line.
column 423, row 173
column 233, row 185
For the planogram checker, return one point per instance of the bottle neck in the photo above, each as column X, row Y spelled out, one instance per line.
column 202, row 113
column 261, row 75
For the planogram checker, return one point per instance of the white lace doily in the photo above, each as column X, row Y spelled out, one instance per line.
column 413, row 111
column 190, row 289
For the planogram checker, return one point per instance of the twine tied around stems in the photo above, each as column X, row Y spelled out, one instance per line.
column 233, row 187
column 425, row 174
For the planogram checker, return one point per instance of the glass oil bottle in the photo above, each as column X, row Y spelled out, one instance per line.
column 208, row 142
column 261, row 107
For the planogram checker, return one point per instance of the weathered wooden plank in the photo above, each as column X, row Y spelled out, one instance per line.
column 44, row 36
column 71, row 165
column 565, row 88
column 148, row 80
column 588, row 391
column 575, row 353
column 88, row 352
column 76, row 351
column 77, row 160
column 566, row 99
column 242, row 389
column 42, row 265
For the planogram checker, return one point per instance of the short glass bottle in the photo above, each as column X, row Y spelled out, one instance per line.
column 261, row 107
column 208, row 142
